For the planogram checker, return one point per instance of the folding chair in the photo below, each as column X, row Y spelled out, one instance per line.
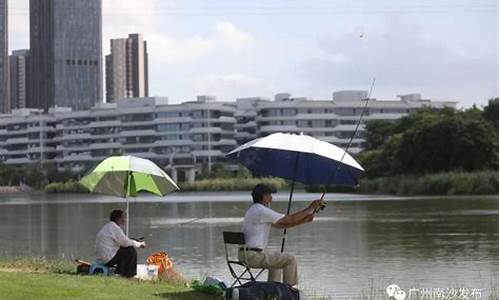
column 238, row 239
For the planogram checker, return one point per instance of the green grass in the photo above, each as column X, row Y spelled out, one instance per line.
column 22, row 285
column 42, row 278
column 37, row 264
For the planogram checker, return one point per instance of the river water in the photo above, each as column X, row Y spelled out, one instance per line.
column 355, row 247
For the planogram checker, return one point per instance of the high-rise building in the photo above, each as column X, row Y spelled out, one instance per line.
column 65, row 54
column 18, row 63
column 127, row 68
column 4, row 59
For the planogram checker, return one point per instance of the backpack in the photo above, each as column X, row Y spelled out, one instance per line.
column 263, row 290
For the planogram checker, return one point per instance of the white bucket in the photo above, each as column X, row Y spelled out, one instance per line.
column 145, row 272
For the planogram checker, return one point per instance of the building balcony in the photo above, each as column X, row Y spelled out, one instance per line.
column 17, row 152
column 279, row 128
column 172, row 143
column 23, row 140
column 138, row 123
column 75, row 157
column 147, row 132
column 206, row 153
column 244, row 135
column 136, row 145
column 208, row 130
column 74, row 136
column 251, row 124
column 110, row 145
column 18, row 161
column 172, row 120
column 100, row 124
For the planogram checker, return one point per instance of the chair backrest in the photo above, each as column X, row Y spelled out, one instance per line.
column 237, row 238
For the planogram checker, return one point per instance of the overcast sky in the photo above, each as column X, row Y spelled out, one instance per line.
column 443, row 49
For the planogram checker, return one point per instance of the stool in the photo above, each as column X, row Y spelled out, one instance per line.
column 98, row 267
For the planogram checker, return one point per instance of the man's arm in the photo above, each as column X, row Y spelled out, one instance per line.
column 124, row 241
column 301, row 217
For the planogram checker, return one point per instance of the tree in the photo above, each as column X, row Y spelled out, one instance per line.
column 490, row 112
column 433, row 140
column 452, row 143
column 377, row 133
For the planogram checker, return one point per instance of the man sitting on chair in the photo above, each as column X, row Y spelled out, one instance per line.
column 115, row 248
column 258, row 221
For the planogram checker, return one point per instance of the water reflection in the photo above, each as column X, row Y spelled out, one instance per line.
column 351, row 245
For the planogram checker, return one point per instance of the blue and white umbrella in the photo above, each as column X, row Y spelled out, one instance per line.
column 298, row 158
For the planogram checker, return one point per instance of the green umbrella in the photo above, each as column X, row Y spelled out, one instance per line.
column 124, row 176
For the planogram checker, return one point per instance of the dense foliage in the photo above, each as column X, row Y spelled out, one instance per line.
column 432, row 141
column 33, row 175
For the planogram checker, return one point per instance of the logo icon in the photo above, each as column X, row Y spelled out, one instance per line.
column 395, row 292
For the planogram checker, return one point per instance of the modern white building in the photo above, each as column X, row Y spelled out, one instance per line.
column 333, row 121
column 184, row 137
column 178, row 137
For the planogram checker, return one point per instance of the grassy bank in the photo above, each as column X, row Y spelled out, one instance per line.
column 38, row 278
column 450, row 183
column 231, row 184
column 65, row 187
column 24, row 285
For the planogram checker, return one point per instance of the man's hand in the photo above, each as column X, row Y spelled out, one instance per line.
column 315, row 206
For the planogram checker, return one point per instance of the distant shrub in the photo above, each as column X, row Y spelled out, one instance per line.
column 232, row 184
column 449, row 183
column 65, row 187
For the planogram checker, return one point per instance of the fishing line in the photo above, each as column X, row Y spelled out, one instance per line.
column 348, row 144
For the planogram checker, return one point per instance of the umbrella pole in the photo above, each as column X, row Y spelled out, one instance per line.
column 128, row 217
column 126, row 196
column 290, row 199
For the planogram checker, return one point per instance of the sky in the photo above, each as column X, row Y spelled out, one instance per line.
column 442, row 49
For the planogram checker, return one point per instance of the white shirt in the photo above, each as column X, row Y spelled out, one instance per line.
column 257, row 224
column 109, row 239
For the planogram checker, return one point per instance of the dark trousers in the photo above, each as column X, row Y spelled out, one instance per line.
column 126, row 261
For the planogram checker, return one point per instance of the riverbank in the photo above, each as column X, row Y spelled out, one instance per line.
column 440, row 184
column 37, row 278
column 27, row 285
column 449, row 183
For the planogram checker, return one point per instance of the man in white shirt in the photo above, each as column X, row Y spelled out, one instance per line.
column 257, row 224
column 115, row 248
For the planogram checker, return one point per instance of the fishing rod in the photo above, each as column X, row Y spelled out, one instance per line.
column 348, row 144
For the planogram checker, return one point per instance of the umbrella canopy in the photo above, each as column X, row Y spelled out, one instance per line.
column 299, row 158
column 125, row 176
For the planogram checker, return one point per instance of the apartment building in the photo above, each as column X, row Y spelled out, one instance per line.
column 178, row 137
column 332, row 121
column 184, row 137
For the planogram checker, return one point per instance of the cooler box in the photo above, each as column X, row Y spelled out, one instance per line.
column 146, row 272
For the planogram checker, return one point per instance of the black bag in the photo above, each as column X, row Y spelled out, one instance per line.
column 262, row 290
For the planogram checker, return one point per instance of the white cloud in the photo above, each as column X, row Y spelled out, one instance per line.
column 230, row 85
column 403, row 60
column 230, row 35
column 225, row 38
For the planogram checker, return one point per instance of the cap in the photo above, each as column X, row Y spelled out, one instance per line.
column 261, row 189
